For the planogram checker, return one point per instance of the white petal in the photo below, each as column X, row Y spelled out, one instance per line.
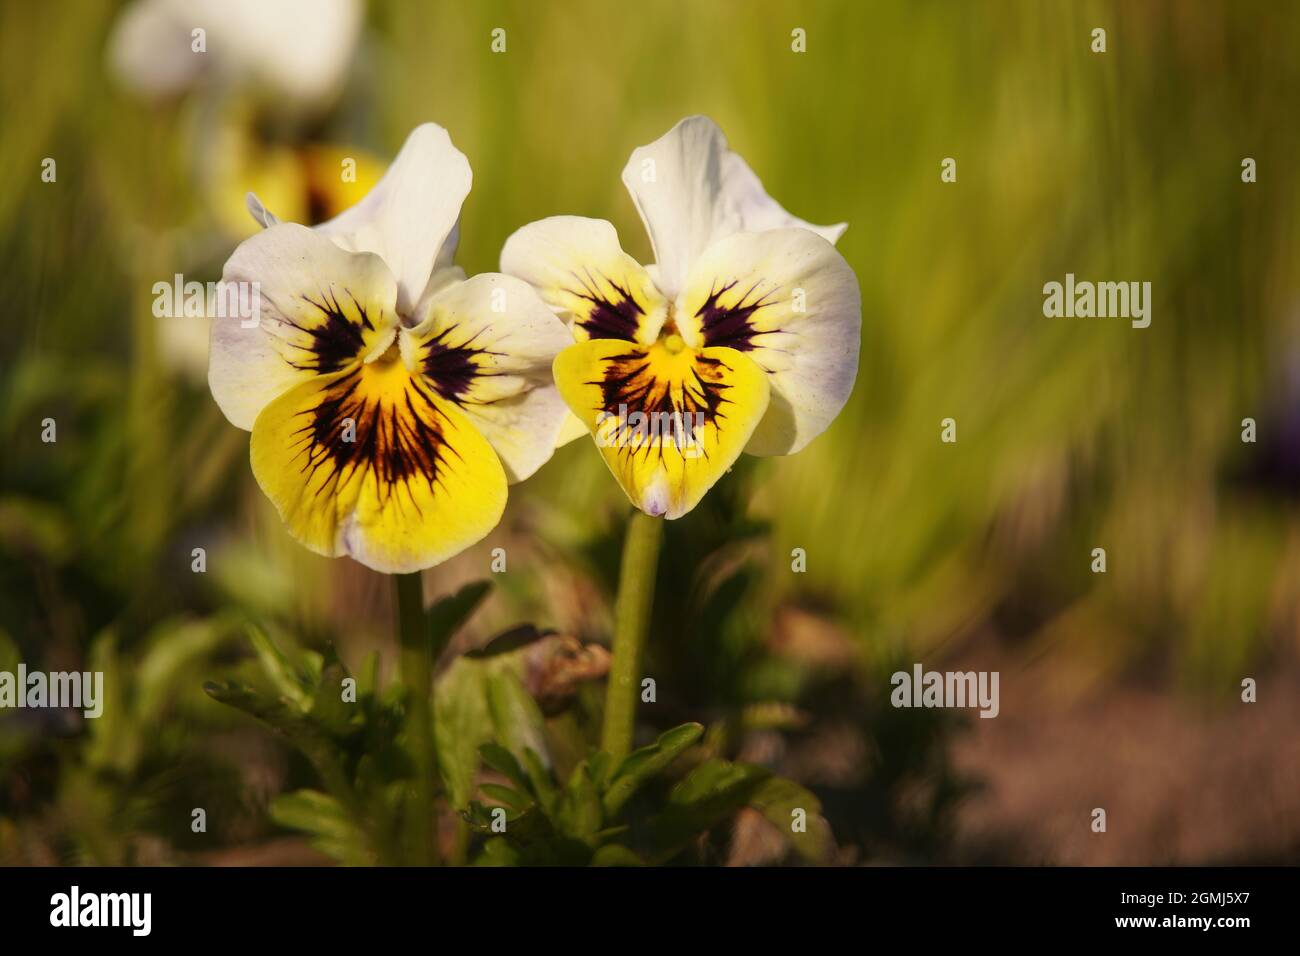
column 757, row 211
column 252, row 362
column 409, row 219
column 583, row 274
column 692, row 191
column 788, row 300
column 488, row 344
column 443, row 276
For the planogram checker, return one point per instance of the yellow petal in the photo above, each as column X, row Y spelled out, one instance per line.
column 414, row 485
column 669, row 420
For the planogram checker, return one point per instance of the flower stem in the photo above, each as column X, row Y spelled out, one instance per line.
column 636, row 589
column 417, row 671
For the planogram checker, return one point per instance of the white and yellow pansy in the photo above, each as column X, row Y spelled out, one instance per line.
column 743, row 336
column 390, row 400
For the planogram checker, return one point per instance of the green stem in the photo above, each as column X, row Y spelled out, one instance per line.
column 636, row 590
column 417, row 671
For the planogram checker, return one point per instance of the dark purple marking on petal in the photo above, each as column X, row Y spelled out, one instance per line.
column 452, row 369
column 608, row 318
column 731, row 326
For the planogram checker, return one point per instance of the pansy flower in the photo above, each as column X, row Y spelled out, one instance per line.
column 743, row 336
column 390, row 400
column 261, row 93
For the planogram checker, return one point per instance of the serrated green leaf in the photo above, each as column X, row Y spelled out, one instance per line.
column 709, row 794
column 310, row 811
column 641, row 765
column 278, row 714
column 543, row 782
column 505, row 795
column 288, row 682
column 516, row 718
column 325, row 820
column 504, row 763
column 461, row 725
column 777, row 799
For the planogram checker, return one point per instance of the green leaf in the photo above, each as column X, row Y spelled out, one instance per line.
column 368, row 676
column 461, row 725
column 448, row 614
column 316, row 813
column 113, row 741
column 614, row 854
column 504, row 763
column 601, row 765
column 511, row 798
column 517, row 719
column 641, row 765
column 507, row 642
column 328, row 706
column 542, row 779
column 709, row 794
column 167, row 667
column 777, row 799
column 279, row 714
column 289, row 683
column 578, row 812
column 497, row 852
column 476, row 699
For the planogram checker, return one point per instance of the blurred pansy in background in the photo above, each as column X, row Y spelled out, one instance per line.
column 743, row 336
column 390, row 400
column 259, row 87
column 265, row 77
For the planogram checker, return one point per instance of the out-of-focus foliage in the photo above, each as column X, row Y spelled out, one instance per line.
column 1072, row 434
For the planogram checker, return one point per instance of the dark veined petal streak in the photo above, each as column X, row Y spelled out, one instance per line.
column 452, row 368
column 399, row 437
column 607, row 318
column 332, row 342
column 731, row 325
column 676, row 408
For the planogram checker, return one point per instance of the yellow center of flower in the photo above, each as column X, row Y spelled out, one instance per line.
column 389, row 356
column 385, row 350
